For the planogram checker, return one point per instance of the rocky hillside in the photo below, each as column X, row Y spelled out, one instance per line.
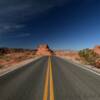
column 97, row 49
column 91, row 56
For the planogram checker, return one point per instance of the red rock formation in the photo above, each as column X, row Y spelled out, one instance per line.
column 97, row 49
column 44, row 50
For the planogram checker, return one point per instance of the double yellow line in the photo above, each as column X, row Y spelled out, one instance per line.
column 49, row 76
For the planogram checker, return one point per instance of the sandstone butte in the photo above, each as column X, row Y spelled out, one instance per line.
column 44, row 49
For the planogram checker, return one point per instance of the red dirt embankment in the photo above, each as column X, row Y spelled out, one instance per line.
column 72, row 55
column 7, row 60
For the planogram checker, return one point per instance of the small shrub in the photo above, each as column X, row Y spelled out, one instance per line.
column 89, row 56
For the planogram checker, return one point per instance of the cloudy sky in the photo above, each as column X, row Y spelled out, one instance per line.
column 63, row 24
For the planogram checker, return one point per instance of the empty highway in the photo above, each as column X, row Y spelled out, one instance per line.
column 50, row 78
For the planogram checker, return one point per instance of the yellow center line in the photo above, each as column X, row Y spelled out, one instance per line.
column 45, row 95
column 51, row 82
column 49, row 76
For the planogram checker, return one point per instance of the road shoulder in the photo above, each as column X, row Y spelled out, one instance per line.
column 17, row 66
column 85, row 67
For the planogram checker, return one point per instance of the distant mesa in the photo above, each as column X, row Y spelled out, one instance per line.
column 44, row 49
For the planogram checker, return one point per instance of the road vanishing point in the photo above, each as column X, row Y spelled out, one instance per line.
column 50, row 78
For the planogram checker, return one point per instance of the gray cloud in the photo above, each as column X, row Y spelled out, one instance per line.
column 20, row 35
column 5, row 28
column 12, row 9
column 13, row 12
column 27, row 6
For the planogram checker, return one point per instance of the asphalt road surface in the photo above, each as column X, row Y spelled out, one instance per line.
column 50, row 78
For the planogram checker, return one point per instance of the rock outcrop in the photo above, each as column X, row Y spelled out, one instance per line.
column 44, row 49
column 97, row 49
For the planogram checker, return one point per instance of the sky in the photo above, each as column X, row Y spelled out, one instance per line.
column 62, row 24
